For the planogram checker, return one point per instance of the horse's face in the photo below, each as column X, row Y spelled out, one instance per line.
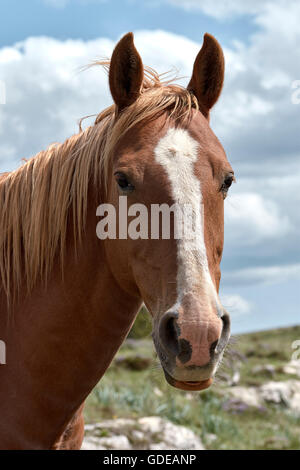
column 176, row 273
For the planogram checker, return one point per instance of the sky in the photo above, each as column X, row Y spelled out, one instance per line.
column 45, row 43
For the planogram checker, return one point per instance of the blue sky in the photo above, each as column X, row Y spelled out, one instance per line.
column 43, row 43
column 91, row 19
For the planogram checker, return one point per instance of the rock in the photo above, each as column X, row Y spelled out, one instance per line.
column 173, row 436
column 109, row 425
column 210, row 438
column 111, row 443
column 292, row 368
column 275, row 392
column 267, row 370
column 234, row 405
column 249, row 396
column 152, row 433
column 160, row 446
column 287, row 393
column 138, row 436
column 92, row 443
column 152, row 425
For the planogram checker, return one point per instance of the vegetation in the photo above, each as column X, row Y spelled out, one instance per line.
column 132, row 390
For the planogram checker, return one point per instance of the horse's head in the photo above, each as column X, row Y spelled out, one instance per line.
column 175, row 160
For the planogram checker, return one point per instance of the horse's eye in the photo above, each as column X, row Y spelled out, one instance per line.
column 123, row 182
column 226, row 184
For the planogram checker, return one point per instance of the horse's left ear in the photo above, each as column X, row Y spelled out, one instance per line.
column 208, row 74
column 126, row 73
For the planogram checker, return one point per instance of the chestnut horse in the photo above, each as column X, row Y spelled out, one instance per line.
column 68, row 299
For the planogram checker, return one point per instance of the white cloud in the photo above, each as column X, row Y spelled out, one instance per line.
column 46, row 93
column 263, row 275
column 167, row 51
column 251, row 219
column 236, row 305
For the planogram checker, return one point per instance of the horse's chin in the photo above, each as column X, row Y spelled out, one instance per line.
column 188, row 386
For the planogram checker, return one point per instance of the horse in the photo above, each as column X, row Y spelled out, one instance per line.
column 67, row 298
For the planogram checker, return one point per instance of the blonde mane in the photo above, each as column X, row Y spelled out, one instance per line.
column 40, row 198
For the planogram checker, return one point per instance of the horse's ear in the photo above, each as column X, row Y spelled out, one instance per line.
column 126, row 73
column 208, row 74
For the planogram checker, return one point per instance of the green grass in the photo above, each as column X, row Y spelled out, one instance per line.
column 266, row 347
column 124, row 392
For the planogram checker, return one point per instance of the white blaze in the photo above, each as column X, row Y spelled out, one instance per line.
column 177, row 152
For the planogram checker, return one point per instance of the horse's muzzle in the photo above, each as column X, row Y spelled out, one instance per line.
column 190, row 354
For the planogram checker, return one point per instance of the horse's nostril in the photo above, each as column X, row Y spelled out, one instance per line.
column 213, row 347
column 225, row 333
column 226, row 321
column 168, row 332
column 199, row 344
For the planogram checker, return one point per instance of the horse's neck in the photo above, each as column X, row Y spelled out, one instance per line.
column 59, row 342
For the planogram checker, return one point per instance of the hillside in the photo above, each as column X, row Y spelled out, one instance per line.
column 254, row 403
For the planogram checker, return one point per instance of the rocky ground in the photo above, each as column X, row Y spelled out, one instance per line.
column 254, row 404
column 152, row 433
column 155, row 433
column 286, row 393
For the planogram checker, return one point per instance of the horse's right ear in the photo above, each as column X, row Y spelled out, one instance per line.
column 126, row 73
